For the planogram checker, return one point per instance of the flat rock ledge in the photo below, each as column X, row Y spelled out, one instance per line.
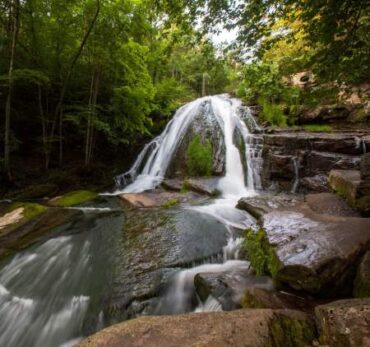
column 241, row 328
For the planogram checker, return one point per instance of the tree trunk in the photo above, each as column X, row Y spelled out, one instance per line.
column 58, row 115
column 8, row 105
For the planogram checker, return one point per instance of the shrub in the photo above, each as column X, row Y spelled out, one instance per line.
column 272, row 113
column 199, row 157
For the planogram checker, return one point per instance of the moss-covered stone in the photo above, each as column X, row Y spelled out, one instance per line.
column 73, row 198
column 260, row 253
column 362, row 282
column 30, row 211
column 170, row 203
column 346, row 184
column 289, row 331
column 199, row 157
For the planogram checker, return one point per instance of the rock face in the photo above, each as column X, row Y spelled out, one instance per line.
column 344, row 323
column 156, row 244
column 228, row 287
column 308, row 157
column 362, row 282
column 346, row 183
column 208, row 128
column 242, row 328
column 313, row 251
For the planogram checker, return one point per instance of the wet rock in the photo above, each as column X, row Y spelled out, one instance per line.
column 228, row 287
column 307, row 250
column 155, row 199
column 74, row 198
column 155, row 244
column 365, row 167
column 330, row 204
column 260, row 205
column 206, row 186
column 317, row 183
column 346, row 183
column 322, row 162
column 255, row 297
column 344, row 323
column 241, row 328
column 174, row 184
column 205, row 124
column 25, row 233
column 362, row 282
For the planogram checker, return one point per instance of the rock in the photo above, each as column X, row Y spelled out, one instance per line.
column 363, row 205
column 155, row 199
column 325, row 113
column 26, row 232
column 174, row 184
column 317, row 183
column 241, row 328
column 365, row 167
column 344, row 323
column 346, row 183
column 362, row 281
column 206, row 125
column 74, row 198
column 38, row 191
column 156, row 243
column 206, row 186
column 307, row 250
column 322, row 162
column 260, row 205
column 331, row 204
column 228, row 287
column 255, row 297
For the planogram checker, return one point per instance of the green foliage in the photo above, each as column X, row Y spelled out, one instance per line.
column 324, row 128
column 74, row 198
column 272, row 113
column 199, row 157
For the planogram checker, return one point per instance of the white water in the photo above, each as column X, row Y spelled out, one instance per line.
column 296, row 166
column 150, row 167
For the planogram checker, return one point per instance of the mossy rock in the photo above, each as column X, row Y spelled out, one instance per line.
column 73, row 198
column 260, row 253
column 363, row 205
column 31, row 210
column 291, row 329
column 170, row 203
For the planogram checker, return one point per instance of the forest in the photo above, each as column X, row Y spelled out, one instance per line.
column 83, row 84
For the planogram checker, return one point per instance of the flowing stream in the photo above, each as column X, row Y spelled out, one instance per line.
column 52, row 294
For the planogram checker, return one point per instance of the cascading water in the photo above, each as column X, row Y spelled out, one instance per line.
column 152, row 163
column 229, row 115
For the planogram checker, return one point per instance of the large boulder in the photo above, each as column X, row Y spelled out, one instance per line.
column 344, row 323
column 156, row 244
column 317, row 183
column 365, row 167
column 241, row 328
column 313, row 250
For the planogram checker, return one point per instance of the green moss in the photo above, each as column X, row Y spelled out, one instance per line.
column 324, row 128
column 199, row 157
column 31, row 210
column 291, row 332
column 260, row 253
column 74, row 198
column 170, row 202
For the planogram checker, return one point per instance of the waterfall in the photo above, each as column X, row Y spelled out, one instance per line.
column 152, row 163
column 296, row 165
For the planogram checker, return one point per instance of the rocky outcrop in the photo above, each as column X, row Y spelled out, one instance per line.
column 362, row 281
column 346, row 183
column 344, row 323
column 157, row 243
column 308, row 157
column 313, row 249
column 241, row 328
column 208, row 128
column 206, row 186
